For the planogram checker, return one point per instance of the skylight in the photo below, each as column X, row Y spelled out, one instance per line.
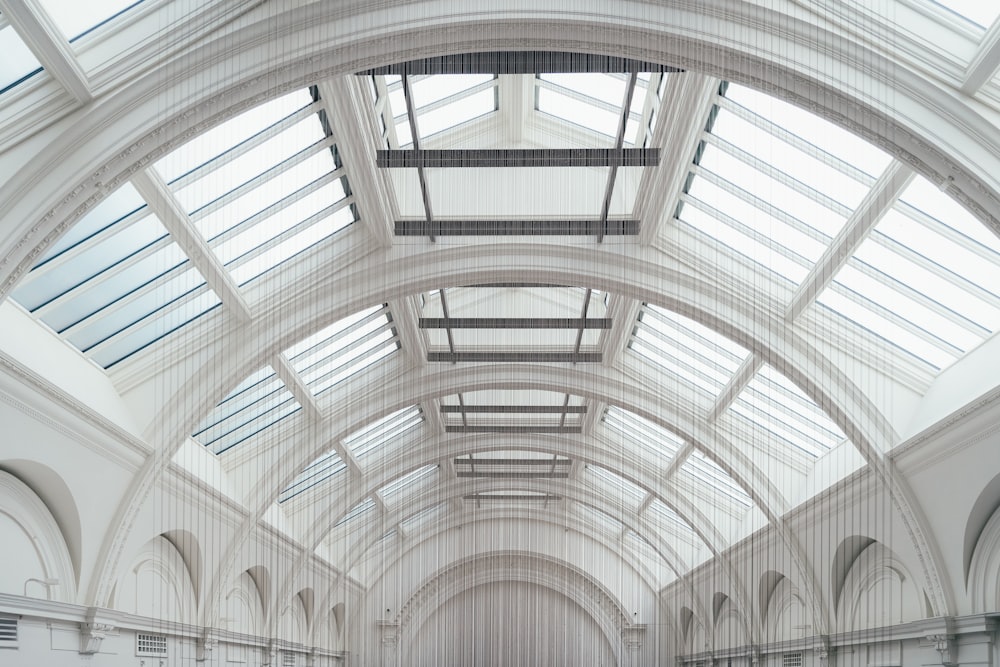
column 925, row 279
column 983, row 14
column 362, row 509
column 614, row 486
column 788, row 417
column 383, row 431
column 75, row 19
column 18, row 63
column 504, row 303
column 513, row 407
column 775, row 183
column 258, row 403
column 263, row 186
column 325, row 467
column 594, row 102
column 708, row 476
column 409, row 482
column 116, row 283
column 343, row 349
column 686, row 349
column 441, row 102
column 660, row 444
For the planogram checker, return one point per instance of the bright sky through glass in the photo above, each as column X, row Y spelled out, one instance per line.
column 18, row 62
column 74, row 18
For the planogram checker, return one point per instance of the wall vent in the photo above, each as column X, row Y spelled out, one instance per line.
column 150, row 645
column 791, row 660
column 8, row 631
column 287, row 659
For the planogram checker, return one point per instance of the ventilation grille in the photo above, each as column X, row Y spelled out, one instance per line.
column 8, row 631
column 791, row 660
column 287, row 659
column 150, row 645
column 700, row 663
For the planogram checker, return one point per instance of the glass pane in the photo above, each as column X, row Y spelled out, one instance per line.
column 324, row 468
column 18, row 63
column 343, row 348
column 383, row 431
column 258, row 403
column 74, row 19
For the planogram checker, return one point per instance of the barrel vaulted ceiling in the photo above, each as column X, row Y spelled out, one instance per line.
column 657, row 353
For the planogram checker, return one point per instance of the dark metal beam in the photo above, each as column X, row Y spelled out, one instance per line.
column 517, row 357
column 516, row 227
column 518, row 157
column 511, row 496
column 515, row 409
column 619, row 142
column 512, row 462
column 515, row 323
column 520, row 62
column 510, row 429
column 513, row 475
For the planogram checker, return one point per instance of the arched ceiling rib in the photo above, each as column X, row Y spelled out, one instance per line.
column 761, row 319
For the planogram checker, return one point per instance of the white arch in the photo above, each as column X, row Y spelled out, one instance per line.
column 912, row 137
column 26, row 512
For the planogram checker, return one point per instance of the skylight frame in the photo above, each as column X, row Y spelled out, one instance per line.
column 703, row 471
column 241, row 421
column 344, row 349
column 324, row 468
column 392, row 119
column 637, row 124
column 784, row 415
column 702, row 355
column 154, row 321
column 319, row 185
column 74, row 30
column 379, row 433
column 642, row 434
column 14, row 46
column 398, row 490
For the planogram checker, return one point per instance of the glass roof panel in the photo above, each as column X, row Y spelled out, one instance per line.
column 409, row 482
column 516, row 407
column 325, row 467
column 75, row 19
column 18, row 63
column 614, row 486
column 686, row 349
column 595, row 517
column 639, row 432
column 462, row 110
column 486, row 193
column 706, row 474
column 344, row 348
column 824, row 135
column 664, row 515
column 513, row 302
column 362, row 509
column 260, row 122
column 594, row 102
column 256, row 404
column 983, row 14
column 776, row 405
column 383, row 431
column 925, row 278
column 425, row 516
column 262, row 189
column 441, row 102
column 117, row 285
